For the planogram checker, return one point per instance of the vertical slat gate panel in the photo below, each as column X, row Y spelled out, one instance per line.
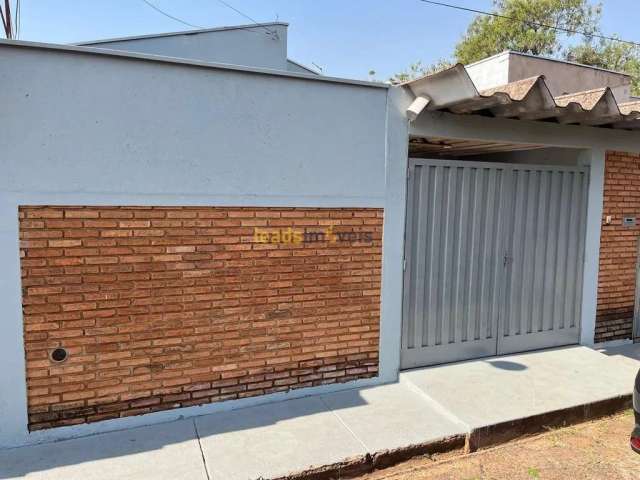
column 421, row 193
column 477, row 289
column 530, row 243
column 572, row 258
column 544, row 276
column 494, row 259
column 432, row 248
column 582, row 229
column 435, row 262
column 451, row 279
column 562, row 245
column 551, row 257
column 515, row 233
column 472, row 320
column 542, row 244
column 408, row 328
column 503, row 225
column 459, row 317
column 447, row 320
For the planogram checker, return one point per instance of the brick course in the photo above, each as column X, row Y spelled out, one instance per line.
column 618, row 248
column 171, row 307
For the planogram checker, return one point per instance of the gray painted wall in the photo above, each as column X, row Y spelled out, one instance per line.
column 100, row 124
column 561, row 77
column 251, row 46
column 103, row 130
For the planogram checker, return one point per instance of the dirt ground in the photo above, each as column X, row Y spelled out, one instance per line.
column 597, row 450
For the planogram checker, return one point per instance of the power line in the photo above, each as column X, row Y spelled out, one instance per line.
column 18, row 18
column 228, row 5
column 4, row 22
column 271, row 32
column 6, row 19
column 527, row 22
column 170, row 16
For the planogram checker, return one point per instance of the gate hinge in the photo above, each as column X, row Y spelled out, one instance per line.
column 404, row 264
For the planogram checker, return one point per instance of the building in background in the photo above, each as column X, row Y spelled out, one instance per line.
column 257, row 45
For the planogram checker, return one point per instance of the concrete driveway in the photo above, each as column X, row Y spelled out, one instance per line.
column 272, row 440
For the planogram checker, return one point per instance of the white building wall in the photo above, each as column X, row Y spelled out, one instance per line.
column 490, row 72
column 561, row 77
column 565, row 77
column 103, row 130
column 90, row 124
column 250, row 45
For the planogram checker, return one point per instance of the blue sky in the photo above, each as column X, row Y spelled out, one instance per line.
column 346, row 37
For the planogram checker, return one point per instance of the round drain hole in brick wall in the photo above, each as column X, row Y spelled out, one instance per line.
column 59, row 355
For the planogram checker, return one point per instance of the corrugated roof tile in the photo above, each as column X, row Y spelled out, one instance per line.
column 529, row 99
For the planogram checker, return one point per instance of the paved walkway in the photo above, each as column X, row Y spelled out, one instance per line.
column 276, row 439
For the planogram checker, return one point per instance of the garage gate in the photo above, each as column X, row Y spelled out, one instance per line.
column 494, row 259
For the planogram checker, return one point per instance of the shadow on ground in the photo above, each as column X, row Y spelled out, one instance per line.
column 506, row 365
column 172, row 450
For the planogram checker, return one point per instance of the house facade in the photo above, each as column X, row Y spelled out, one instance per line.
column 187, row 228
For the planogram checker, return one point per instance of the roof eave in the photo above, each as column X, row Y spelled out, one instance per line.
column 195, row 31
column 453, row 90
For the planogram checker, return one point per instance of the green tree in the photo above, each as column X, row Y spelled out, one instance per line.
column 609, row 54
column 522, row 25
column 540, row 27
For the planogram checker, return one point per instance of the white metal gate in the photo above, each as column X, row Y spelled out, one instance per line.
column 494, row 258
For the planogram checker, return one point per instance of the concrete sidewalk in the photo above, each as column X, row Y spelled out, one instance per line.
column 273, row 440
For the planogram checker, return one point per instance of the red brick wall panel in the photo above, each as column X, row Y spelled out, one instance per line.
column 618, row 248
column 172, row 307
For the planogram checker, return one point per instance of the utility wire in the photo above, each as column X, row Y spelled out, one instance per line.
column 6, row 19
column 170, row 16
column 228, row 5
column 527, row 22
column 4, row 22
column 17, row 20
column 271, row 32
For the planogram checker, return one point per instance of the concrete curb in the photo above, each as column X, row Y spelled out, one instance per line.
column 504, row 432
column 477, row 439
column 357, row 466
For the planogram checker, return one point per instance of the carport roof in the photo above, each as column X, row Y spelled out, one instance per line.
column 454, row 91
